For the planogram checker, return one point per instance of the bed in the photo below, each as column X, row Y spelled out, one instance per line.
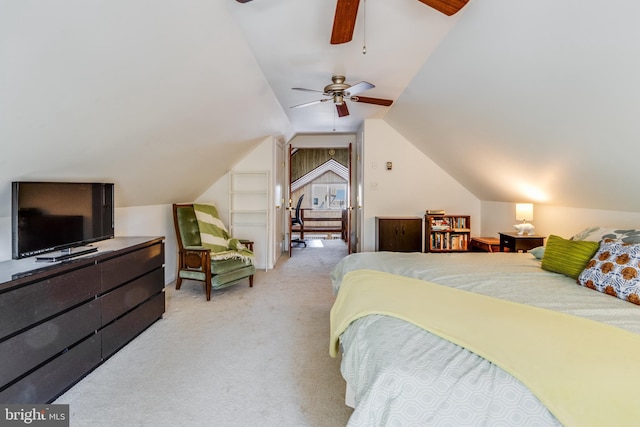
column 399, row 373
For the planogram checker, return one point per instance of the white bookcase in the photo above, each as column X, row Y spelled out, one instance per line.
column 249, row 201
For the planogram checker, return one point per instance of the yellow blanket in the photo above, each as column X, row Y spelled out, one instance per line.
column 586, row 373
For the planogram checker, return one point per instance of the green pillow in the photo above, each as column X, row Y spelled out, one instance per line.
column 568, row 257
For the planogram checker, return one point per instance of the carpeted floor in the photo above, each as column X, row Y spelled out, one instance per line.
column 250, row 357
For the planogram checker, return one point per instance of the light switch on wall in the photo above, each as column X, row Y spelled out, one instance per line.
column 389, row 166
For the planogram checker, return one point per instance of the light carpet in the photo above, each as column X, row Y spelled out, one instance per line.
column 249, row 357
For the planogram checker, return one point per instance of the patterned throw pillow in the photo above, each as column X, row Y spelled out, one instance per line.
column 614, row 270
column 596, row 234
column 568, row 257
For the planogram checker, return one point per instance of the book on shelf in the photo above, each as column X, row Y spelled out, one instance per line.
column 435, row 212
column 440, row 224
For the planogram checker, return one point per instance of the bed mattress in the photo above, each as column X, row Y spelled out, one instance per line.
column 401, row 374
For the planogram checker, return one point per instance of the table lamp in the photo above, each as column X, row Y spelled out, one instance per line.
column 524, row 213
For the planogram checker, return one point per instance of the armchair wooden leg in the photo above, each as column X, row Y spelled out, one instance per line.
column 251, row 281
column 178, row 282
column 208, row 289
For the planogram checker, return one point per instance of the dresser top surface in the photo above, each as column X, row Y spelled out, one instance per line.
column 27, row 269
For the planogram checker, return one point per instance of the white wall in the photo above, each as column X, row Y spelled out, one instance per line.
column 5, row 238
column 262, row 158
column 558, row 220
column 414, row 185
column 151, row 221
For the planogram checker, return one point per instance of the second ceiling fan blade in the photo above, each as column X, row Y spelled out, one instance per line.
column 448, row 7
column 360, row 87
column 368, row 100
column 342, row 109
column 344, row 21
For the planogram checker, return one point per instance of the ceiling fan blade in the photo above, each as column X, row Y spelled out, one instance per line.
column 376, row 101
column 310, row 103
column 448, row 7
column 307, row 90
column 360, row 87
column 344, row 21
column 342, row 109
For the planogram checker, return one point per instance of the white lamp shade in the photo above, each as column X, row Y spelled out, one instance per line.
column 524, row 211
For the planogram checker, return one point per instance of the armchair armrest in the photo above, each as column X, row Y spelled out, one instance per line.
column 197, row 257
column 247, row 243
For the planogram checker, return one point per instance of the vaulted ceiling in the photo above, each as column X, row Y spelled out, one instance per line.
column 514, row 99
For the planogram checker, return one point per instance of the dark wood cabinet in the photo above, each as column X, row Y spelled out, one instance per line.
column 60, row 321
column 399, row 234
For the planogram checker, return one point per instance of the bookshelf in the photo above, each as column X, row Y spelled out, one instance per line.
column 447, row 233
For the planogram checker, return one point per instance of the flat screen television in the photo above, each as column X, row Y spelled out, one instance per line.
column 59, row 216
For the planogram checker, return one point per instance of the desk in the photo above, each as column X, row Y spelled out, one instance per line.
column 516, row 243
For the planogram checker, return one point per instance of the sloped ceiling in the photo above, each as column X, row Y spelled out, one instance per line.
column 517, row 100
column 290, row 40
column 534, row 100
column 162, row 97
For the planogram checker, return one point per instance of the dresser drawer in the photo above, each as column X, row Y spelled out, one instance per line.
column 37, row 301
column 118, row 271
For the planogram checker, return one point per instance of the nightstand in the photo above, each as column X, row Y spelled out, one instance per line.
column 516, row 243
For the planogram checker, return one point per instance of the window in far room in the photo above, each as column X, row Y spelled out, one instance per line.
column 329, row 196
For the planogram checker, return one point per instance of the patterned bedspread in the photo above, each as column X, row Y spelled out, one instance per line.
column 403, row 375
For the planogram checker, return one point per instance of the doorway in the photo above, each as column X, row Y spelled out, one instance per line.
column 319, row 197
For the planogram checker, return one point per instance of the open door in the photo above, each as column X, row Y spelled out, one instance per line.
column 290, row 207
column 324, row 174
column 350, row 207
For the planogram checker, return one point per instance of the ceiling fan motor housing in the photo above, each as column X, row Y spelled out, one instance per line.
column 338, row 86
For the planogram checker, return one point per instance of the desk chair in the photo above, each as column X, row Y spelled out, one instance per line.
column 297, row 220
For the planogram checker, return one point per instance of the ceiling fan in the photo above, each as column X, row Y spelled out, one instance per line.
column 344, row 20
column 339, row 92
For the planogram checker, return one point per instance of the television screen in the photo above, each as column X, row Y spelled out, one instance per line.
column 49, row 216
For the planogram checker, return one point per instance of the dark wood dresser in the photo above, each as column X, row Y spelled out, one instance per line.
column 60, row 321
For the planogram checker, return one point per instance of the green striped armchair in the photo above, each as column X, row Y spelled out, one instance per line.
column 197, row 262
